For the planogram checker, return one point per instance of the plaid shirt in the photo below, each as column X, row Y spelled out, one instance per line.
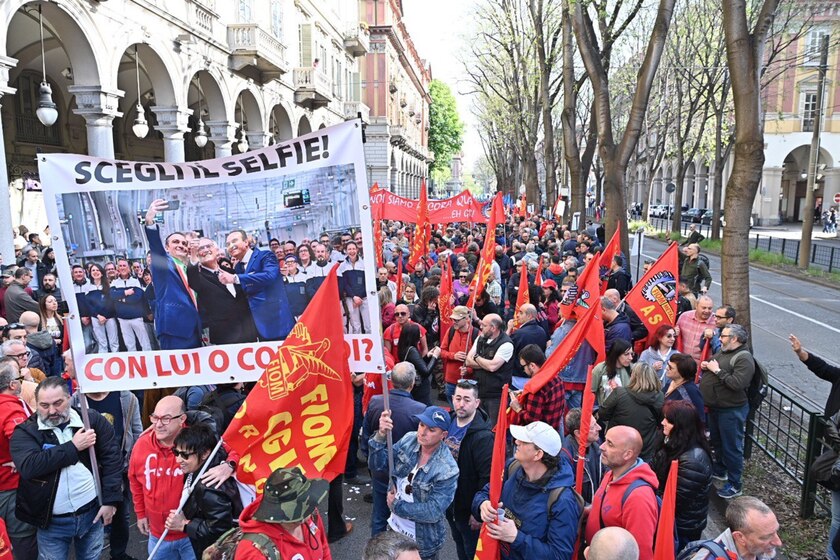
column 547, row 405
column 691, row 331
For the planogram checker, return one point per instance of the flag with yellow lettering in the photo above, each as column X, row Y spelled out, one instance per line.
column 654, row 297
column 488, row 252
column 300, row 413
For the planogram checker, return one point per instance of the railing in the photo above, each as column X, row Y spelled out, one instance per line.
column 825, row 256
column 357, row 40
column 353, row 108
column 791, row 435
column 29, row 129
column 252, row 38
column 311, row 78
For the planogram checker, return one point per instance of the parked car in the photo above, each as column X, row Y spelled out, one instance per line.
column 693, row 215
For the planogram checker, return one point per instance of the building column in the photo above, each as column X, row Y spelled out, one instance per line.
column 7, row 241
column 172, row 123
column 98, row 107
column 257, row 139
column 767, row 202
column 223, row 134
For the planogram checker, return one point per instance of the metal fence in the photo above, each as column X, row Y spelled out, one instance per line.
column 791, row 435
column 825, row 256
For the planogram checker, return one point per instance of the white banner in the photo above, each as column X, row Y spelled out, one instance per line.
column 223, row 241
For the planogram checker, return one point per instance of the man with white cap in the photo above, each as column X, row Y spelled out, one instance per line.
column 539, row 510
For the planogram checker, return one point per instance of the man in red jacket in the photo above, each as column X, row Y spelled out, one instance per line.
column 157, row 481
column 627, row 495
column 12, row 413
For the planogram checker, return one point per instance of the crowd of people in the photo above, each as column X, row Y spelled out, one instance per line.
column 678, row 393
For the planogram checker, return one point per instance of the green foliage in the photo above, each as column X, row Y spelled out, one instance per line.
column 636, row 225
column 446, row 131
column 440, row 175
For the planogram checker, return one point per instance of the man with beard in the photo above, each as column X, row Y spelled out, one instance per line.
column 129, row 303
column 177, row 322
column 57, row 492
column 318, row 272
column 258, row 273
column 223, row 308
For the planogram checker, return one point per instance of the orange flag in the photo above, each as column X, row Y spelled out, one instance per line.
column 300, row 413
column 654, row 297
column 584, row 294
column 489, row 548
column 612, row 249
column 445, row 297
column 420, row 243
column 377, row 242
column 538, row 280
column 663, row 546
column 585, row 422
column 399, row 277
column 704, row 357
column 488, row 253
column 521, row 295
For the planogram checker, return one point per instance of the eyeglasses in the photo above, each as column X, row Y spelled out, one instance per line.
column 23, row 355
column 721, row 317
column 164, row 420
column 183, row 454
column 725, row 336
column 400, row 314
column 410, row 480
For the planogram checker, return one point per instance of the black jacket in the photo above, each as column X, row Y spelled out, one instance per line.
column 429, row 320
column 422, row 391
column 637, row 327
column 694, row 479
column 211, row 511
column 831, row 374
column 642, row 411
column 40, row 468
column 529, row 333
column 474, row 458
column 621, row 281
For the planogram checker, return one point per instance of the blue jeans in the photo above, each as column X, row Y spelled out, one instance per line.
column 172, row 550
column 835, row 524
column 78, row 530
column 381, row 512
column 574, row 399
column 726, row 429
column 466, row 540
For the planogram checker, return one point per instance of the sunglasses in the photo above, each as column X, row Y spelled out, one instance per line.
column 400, row 314
column 13, row 326
column 467, row 382
column 408, row 487
column 183, row 454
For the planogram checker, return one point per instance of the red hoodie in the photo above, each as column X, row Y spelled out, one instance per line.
column 156, row 482
column 11, row 414
column 314, row 547
column 640, row 511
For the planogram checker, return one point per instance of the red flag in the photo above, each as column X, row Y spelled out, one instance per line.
column 420, row 243
column 585, row 423
column 377, row 242
column 613, row 249
column 5, row 543
column 445, row 297
column 589, row 328
column 521, row 295
column 399, row 276
column 523, row 206
column 488, row 253
column 584, row 294
column 538, row 278
column 663, row 547
column 65, row 341
column 488, row 547
column 300, row 413
column 654, row 297
column 704, row 357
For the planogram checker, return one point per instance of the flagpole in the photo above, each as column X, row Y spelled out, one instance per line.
column 389, row 438
column 186, row 496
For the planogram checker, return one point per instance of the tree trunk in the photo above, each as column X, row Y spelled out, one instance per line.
column 550, row 160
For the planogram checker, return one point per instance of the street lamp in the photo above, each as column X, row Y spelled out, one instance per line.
column 200, row 133
column 46, row 111
column 243, row 141
column 140, row 127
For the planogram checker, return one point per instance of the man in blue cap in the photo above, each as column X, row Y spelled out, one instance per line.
column 425, row 476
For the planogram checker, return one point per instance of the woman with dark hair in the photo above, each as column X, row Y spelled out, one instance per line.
column 48, row 260
column 407, row 352
column 638, row 405
column 51, row 319
column 103, row 315
column 427, row 315
column 614, row 371
column 304, row 254
column 550, row 303
column 680, row 386
column 685, row 442
column 209, row 511
column 660, row 351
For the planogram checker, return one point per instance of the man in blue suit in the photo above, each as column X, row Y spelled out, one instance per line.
column 177, row 323
column 259, row 275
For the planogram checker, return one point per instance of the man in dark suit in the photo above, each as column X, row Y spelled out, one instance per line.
column 223, row 307
column 258, row 272
column 177, row 323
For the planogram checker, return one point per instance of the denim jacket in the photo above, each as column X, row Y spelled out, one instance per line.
column 434, row 487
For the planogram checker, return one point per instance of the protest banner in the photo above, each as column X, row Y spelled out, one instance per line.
column 462, row 207
column 220, row 303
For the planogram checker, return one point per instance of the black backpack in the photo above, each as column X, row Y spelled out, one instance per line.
column 758, row 387
column 715, row 548
column 221, row 408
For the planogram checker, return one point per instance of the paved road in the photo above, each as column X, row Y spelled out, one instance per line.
column 782, row 305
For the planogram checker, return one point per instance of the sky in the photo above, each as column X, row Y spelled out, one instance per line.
column 437, row 29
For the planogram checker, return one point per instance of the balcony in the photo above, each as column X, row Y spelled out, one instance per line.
column 398, row 135
column 357, row 40
column 312, row 88
column 352, row 110
column 255, row 51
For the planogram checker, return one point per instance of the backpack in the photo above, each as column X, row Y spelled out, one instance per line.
column 553, row 495
column 629, row 490
column 225, row 546
column 757, row 389
column 692, row 548
column 219, row 407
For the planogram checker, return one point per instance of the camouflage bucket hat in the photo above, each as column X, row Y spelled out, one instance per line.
column 290, row 497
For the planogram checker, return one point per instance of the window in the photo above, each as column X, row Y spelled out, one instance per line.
column 808, row 101
column 277, row 19
column 245, row 11
column 812, row 45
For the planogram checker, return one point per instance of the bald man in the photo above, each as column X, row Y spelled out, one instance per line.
column 612, row 543
column 631, row 502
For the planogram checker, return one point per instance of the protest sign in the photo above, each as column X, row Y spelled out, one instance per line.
column 223, row 296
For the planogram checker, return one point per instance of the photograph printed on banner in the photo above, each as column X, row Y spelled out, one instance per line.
column 229, row 263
